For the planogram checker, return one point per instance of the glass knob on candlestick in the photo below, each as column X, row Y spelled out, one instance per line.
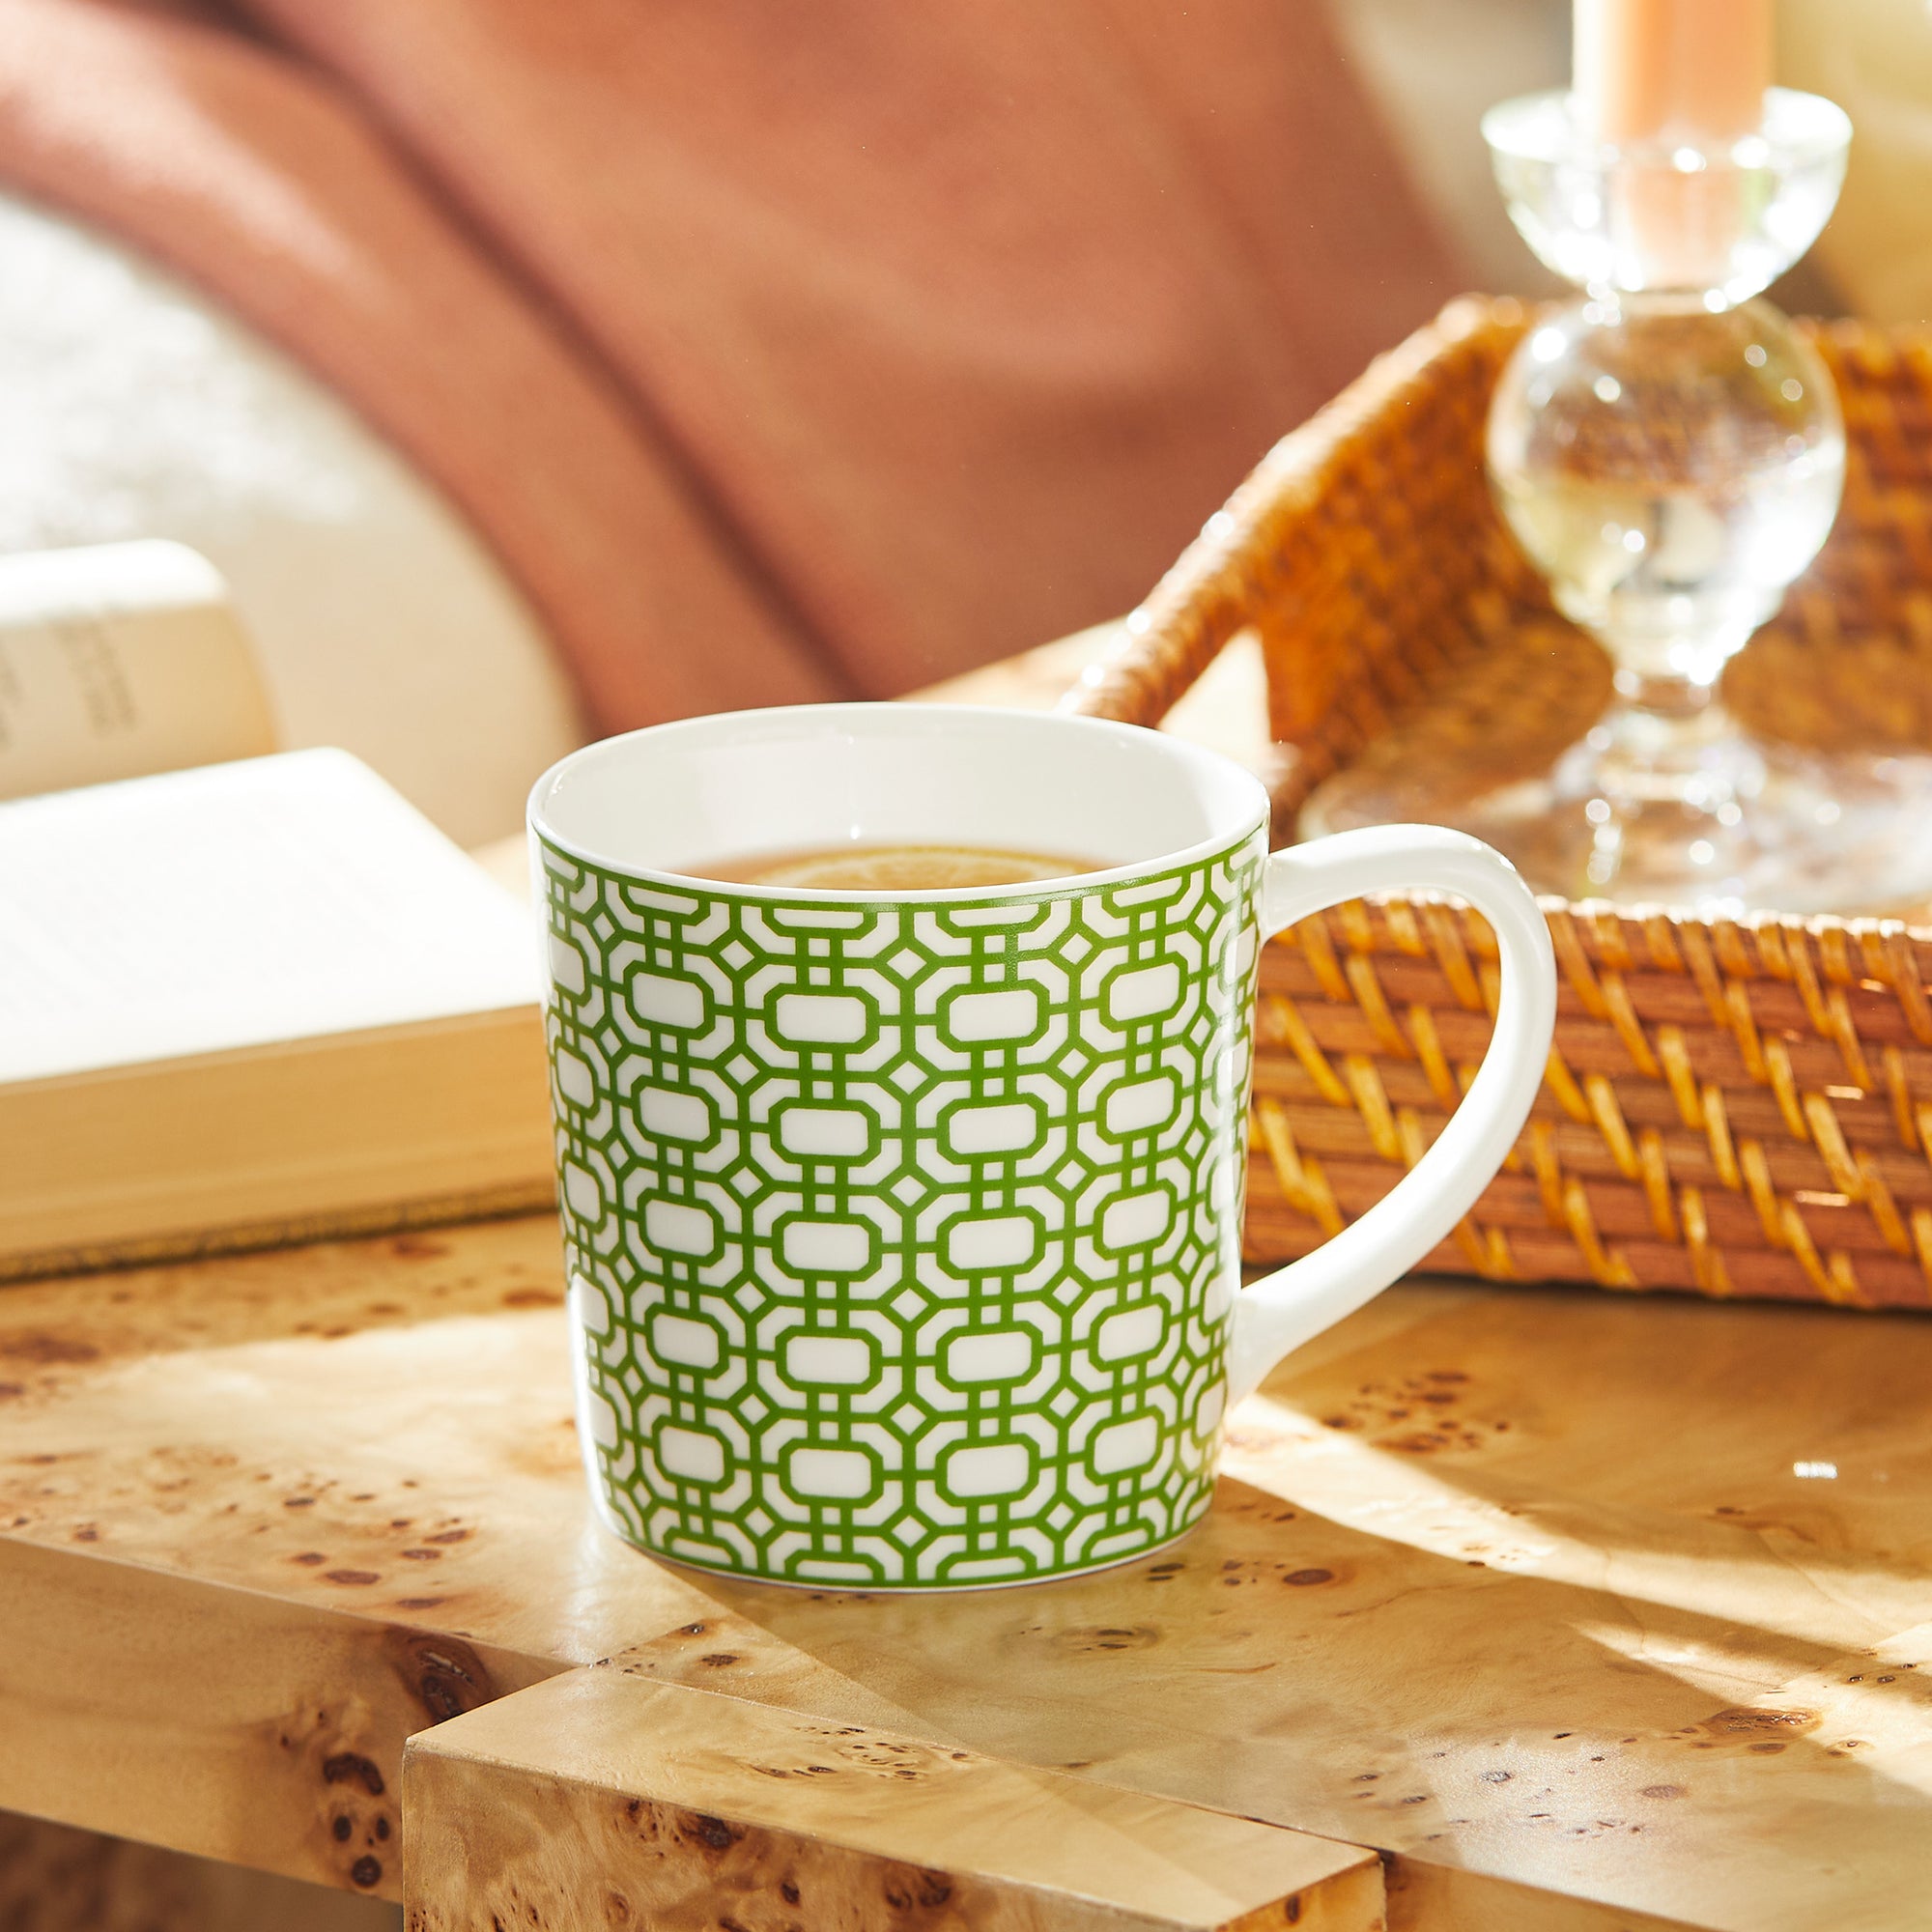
column 1670, row 471
column 1668, row 452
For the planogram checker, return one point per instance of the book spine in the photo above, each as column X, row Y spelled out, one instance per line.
column 118, row 661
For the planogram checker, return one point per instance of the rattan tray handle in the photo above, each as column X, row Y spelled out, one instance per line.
column 1219, row 583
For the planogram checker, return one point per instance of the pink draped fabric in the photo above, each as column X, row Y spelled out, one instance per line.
column 778, row 351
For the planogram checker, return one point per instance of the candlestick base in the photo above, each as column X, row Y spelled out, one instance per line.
column 1718, row 825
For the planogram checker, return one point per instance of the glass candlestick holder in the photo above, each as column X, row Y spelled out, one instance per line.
column 1668, row 451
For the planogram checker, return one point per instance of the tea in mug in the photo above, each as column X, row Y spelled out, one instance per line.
column 891, row 869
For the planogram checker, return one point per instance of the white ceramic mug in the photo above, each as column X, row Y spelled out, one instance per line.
column 904, row 1229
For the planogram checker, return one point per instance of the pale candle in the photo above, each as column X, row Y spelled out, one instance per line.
column 1687, row 72
column 1654, row 77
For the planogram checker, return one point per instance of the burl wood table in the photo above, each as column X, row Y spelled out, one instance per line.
column 1518, row 1608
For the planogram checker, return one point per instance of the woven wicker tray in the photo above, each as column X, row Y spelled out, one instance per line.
column 1732, row 1107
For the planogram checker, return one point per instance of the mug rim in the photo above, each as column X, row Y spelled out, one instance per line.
column 1153, row 742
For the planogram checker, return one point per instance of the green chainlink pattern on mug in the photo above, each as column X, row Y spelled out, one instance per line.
column 902, row 1236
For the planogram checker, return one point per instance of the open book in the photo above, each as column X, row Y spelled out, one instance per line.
column 257, row 1000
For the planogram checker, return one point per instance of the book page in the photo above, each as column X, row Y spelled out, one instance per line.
column 237, row 906
column 120, row 660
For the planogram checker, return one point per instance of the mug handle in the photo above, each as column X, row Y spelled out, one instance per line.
column 1288, row 1307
